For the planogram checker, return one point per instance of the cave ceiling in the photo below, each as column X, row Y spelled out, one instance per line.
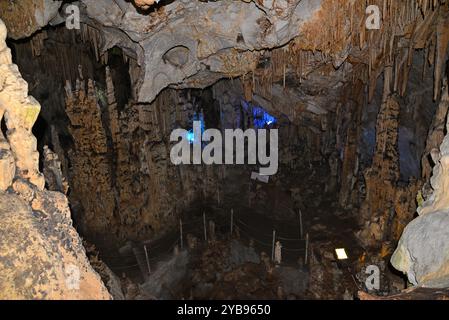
column 321, row 44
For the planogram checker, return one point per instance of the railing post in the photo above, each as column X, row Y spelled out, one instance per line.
column 232, row 222
column 180, row 234
column 205, row 227
column 148, row 260
column 307, row 250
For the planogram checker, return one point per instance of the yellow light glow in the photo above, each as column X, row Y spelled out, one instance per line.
column 341, row 254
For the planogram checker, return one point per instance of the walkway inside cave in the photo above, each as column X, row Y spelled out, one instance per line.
column 256, row 210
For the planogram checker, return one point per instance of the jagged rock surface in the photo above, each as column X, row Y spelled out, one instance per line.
column 193, row 44
column 41, row 255
column 212, row 39
column 34, row 15
column 423, row 251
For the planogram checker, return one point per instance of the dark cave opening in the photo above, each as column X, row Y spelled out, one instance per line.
column 3, row 127
column 40, row 131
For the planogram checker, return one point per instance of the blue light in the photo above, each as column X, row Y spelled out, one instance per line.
column 261, row 117
column 190, row 135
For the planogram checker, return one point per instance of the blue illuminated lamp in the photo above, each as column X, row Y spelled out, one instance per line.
column 261, row 117
column 190, row 135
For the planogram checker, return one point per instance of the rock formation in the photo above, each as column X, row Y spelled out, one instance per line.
column 34, row 16
column 423, row 252
column 353, row 106
column 41, row 254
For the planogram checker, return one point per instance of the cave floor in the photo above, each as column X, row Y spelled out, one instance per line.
column 258, row 210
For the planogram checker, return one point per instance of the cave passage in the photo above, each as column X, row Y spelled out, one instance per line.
column 359, row 120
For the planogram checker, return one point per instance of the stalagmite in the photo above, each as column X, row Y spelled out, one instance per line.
column 381, row 179
column 351, row 89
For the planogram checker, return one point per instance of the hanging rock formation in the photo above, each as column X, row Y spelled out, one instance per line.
column 310, row 63
column 197, row 54
column 34, row 15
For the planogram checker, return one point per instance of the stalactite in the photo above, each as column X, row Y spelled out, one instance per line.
column 264, row 83
column 247, row 88
column 92, row 35
column 278, row 63
column 37, row 43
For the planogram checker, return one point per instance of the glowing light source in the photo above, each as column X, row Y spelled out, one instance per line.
column 190, row 135
column 341, row 254
column 261, row 117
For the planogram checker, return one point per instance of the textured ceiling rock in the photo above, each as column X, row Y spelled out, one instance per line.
column 25, row 17
column 218, row 38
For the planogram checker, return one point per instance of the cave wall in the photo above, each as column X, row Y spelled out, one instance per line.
column 31, row 266
column 346, row 91
column 322, row 85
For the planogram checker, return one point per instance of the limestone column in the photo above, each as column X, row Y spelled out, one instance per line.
column 20, row 112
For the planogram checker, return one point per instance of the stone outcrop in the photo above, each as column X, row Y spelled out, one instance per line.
column 20, row 112
column 41, row 254
column 438, row 200
column 411, row 294
column 423, row 252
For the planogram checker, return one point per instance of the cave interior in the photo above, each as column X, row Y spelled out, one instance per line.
column 360, row 116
